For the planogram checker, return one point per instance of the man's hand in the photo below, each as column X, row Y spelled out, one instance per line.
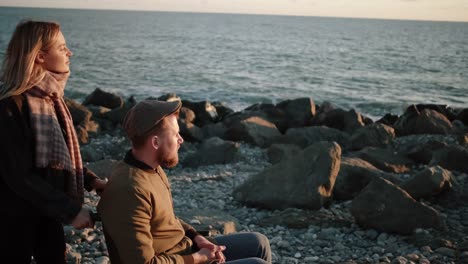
column 202, row 243
column 82, row 219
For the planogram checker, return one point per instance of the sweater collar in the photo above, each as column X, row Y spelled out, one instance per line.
column 132, row 161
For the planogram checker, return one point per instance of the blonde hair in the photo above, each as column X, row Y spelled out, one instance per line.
column 19, row 70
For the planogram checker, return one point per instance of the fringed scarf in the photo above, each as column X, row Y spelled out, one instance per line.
column 55, row 137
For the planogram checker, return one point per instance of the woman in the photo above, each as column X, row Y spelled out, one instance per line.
column 41, row 173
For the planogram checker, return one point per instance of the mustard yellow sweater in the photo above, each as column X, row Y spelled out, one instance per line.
column 138, row 217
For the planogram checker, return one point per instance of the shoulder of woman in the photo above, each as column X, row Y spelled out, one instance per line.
column 13, row 106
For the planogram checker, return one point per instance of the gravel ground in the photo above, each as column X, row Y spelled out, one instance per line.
column 322, row 241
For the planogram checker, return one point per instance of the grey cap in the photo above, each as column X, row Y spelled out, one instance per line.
column 146, row 114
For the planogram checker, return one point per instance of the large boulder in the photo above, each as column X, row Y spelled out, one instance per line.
column 347, row 121
column 102, row 98
column 189, row 131
column 305, row 180
column 388, row 119
column 214, row 130
column 169, row 97
column 306, row 136
column 445, row 110
column 422, row 152
column 297, row 113
column 463, row 116
column 354, row 175
column 264, row 111
column 385, row 159
column 117, row 115
column 375, row 135
column 453, row 157
column 428, row 183
column 277, row 152
column 253, row 130
column 82, row 135
column 222, row 109
column 187, row 114
column 386, row 207
column 80, row 114
column 426, row 121
column 213, row 151
column 205, row 112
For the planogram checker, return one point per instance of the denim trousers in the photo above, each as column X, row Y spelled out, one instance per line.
column 245, row 248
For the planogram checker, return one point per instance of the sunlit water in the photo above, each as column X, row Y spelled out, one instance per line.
column 374, row 66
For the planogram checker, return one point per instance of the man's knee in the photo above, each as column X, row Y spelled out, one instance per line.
column 262, row 239
column 250, row 261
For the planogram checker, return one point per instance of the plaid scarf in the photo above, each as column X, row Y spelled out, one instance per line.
column 55, row 137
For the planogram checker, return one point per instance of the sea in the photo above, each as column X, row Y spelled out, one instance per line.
column 371, row 65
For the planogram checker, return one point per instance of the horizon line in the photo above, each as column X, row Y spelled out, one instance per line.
column 224, row 13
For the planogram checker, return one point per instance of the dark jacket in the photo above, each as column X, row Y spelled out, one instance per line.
column 24, row 189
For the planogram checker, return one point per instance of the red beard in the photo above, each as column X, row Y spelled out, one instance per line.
column 167, row 161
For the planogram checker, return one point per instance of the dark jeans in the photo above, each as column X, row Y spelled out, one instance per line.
column 246, row 248
column 36, row 236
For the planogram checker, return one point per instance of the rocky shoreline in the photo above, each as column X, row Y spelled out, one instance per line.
column 232, row 148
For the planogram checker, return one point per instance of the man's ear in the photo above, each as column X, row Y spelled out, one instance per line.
column 154, row 142
column 40, row 57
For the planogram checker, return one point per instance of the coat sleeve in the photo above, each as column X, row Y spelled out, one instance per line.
column 17, row 169
column 190, row 231
column 128, row 224
column 89, row 178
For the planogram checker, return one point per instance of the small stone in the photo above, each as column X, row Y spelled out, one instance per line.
column 424, row 261
column 275, row 240
column 412, row 257
column 311, row 259
column 372, row 234
column 399, row 260
column 74, row 258
column 464, row 255
column 426, row 249
column 297, row 255
column 284, row 244
column 289, row 260
column 102, row 260
column 91, row 237
column 195, row 222
column 446, row 252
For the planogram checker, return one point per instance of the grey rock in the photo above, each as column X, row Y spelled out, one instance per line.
column 388, row 208
column 309, row 183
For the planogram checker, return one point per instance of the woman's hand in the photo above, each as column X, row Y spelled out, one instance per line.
column 82, row 219
column 99, row 185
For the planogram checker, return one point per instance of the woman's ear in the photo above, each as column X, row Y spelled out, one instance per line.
column 40, row 57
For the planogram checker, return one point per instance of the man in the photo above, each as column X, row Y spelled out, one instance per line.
column 136, row 208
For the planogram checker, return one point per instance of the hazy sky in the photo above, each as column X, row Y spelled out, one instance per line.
column 448, row 10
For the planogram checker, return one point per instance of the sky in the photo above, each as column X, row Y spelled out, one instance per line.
column 440, row 10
